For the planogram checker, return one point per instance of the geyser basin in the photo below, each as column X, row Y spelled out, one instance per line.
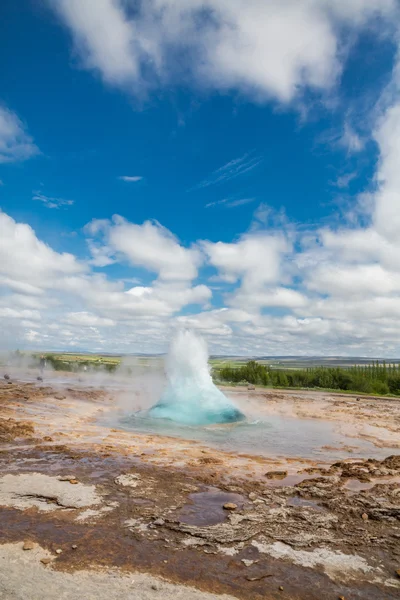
column 191, row 397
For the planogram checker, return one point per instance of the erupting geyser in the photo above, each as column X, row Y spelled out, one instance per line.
column 191, row 396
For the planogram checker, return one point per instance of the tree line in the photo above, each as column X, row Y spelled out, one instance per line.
column 376, row 378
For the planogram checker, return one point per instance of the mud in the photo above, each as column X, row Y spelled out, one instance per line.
column 155, row 505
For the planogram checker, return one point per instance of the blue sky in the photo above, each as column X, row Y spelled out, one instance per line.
column 248, row 150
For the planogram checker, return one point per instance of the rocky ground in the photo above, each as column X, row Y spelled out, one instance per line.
column 104, row 513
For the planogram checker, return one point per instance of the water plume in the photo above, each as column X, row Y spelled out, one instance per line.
column 191, row 397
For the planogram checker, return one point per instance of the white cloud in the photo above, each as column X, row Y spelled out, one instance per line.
column 255, row 259
column 15, row 144
column 103, row 36
column 150, row 246
column 86, row 319
column 130, row 178
column 231, row 170
column 264, row 48
column 102, row 256
column 351, row 140
column 343, row 181
column 29, row 262
column 12, row 313
column 230, row 202
column 51, row 202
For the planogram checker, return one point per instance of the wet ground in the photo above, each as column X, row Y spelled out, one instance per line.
column 244, row 525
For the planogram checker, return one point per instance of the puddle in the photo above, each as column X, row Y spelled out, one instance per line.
column 298, row 501
column 273, row 437
column 354, row 485
column 206, row 508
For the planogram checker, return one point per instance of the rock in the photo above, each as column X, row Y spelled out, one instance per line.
column 39, row 378
column 252, row 496
column 159, row 522
column 73, row 481
column 155, row 586
column 230, row 506
column 280, row 588
column 59, row 397
column 398, row 572
column 128, row 480
column 58, row 551
column 45, row 561
column 47, row 438
column 28, row 545
column 66, row 477
column 251, row 387
column 74, row 546
column 364, row 516
column 9, row 381
column 342, row 598
column 6, row 376
column 276, row 474
column 248, row 563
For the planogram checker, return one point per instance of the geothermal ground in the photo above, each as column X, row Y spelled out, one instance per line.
column 108, row 513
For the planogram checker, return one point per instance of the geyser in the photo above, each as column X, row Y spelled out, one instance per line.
column 191, row 397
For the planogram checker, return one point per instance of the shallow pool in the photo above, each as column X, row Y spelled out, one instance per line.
column 272, row 436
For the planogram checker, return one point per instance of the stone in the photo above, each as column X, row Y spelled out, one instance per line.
column 342, row 598
column 9, row 381
column 230, row 506
column 398, row 572
column 47, row 438
column 73, row 481
column 6, row 376
column 276, row 474
column 45, row 561
column 248, row 563
column 66, row 477
column 39, row 378
column 59, row 397
column 281, row 588
column 155, row 586
column 128, row 480
column 159, row 522
column 58, row 551
column 28, row 545
column 364, row 516
column 74, row 546
column 252, row 496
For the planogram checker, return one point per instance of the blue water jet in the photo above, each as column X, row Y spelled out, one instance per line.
column 191, row 398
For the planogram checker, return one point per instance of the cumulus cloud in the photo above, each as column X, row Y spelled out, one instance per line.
column 15, row 143
column 28, row 262
column 254, row 258
column 150, row 246
column 264, row 48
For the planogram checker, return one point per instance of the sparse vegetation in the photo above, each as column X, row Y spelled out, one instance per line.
column 77, row 362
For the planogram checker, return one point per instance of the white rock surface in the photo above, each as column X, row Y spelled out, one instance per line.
column 27, row 490
column 23, row 577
